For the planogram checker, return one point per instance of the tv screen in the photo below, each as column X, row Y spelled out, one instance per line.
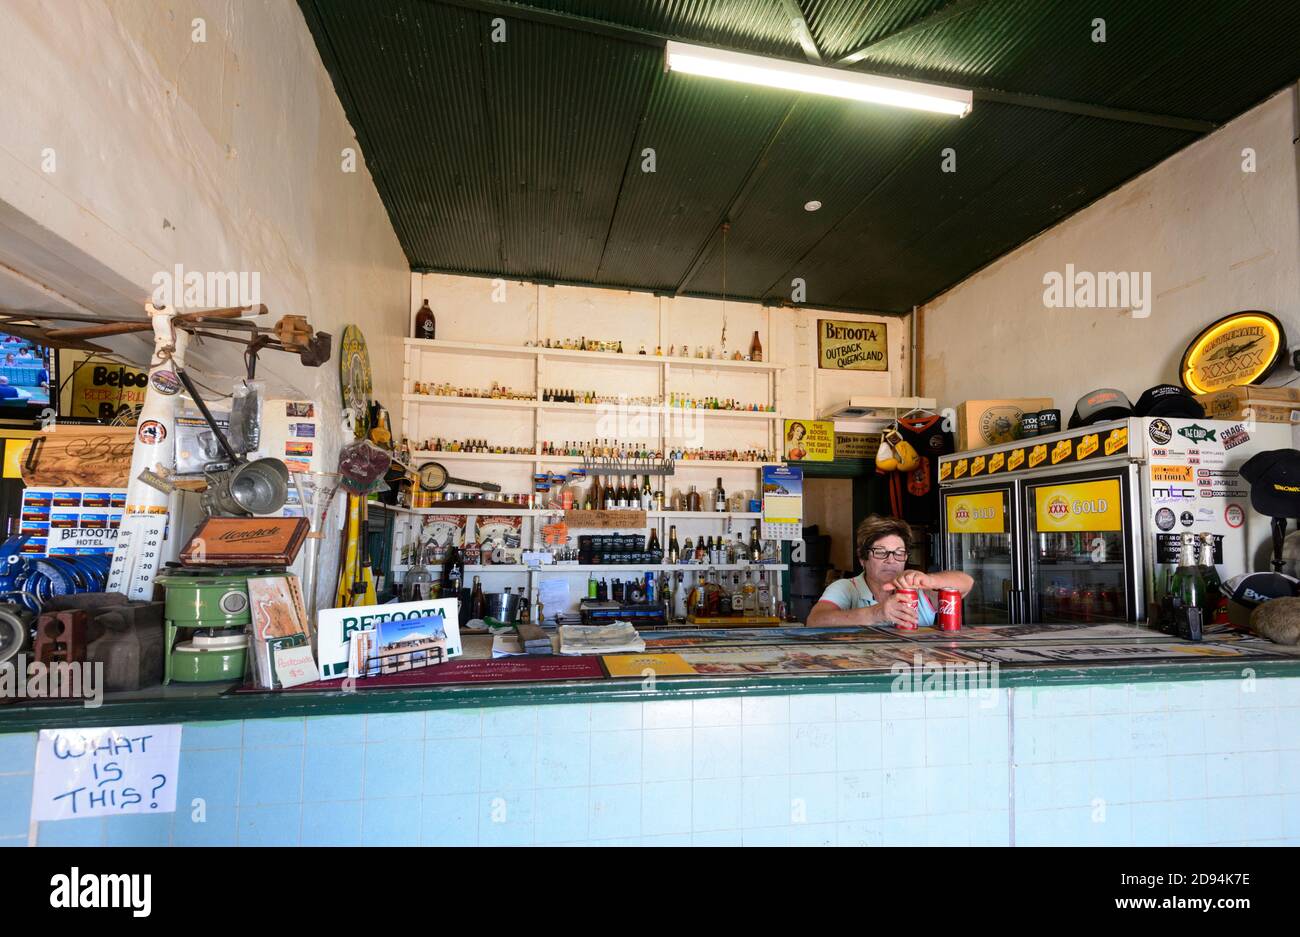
column 25, row 370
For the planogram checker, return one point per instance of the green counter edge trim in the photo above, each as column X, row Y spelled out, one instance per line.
column 230, row 706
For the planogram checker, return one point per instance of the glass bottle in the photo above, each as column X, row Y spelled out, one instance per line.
column 720, row 498
column 1216, row 603
column 750, row 592
column 755, row 348
column 476, row 600
column 693, row 502
column 425, row 325
column 673, row 549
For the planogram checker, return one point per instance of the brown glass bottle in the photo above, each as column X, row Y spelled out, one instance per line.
column 425, row 326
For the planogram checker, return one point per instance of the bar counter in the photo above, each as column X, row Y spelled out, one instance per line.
column 1200, row 748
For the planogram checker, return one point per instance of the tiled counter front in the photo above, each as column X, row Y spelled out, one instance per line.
column 1213, row 761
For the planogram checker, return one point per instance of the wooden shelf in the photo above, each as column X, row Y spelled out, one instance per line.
column 561, row 407
column 451, row 508
column 522, row 351
column 572, row 460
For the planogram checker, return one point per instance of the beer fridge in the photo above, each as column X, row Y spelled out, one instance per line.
column 1082, row 525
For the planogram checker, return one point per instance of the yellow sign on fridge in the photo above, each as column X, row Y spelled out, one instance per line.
column 980, row 513
column 1080, row 506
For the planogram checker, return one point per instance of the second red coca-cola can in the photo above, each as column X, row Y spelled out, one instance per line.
column 949, row 617
column 912, row 600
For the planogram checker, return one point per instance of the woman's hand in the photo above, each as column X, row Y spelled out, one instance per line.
column 896, row 610
column 914, row 579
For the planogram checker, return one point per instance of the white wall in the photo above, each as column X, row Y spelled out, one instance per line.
column 1215, row 240
column 218, row 155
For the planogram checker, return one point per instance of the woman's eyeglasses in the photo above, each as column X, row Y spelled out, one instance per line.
column 882, row 554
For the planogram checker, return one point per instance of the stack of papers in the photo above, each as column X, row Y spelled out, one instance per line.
column 616, row 638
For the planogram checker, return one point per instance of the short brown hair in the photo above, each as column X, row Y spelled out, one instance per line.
column 876, row 526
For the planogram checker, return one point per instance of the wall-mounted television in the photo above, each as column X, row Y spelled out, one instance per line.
column 27, row 379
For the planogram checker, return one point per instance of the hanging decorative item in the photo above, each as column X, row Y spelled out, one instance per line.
column 1241, row 348
column 354, row 378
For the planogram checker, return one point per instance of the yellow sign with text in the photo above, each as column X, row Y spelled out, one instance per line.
column 980, row 513
column 810, row 441
column 852, row 346
column 1080, row 506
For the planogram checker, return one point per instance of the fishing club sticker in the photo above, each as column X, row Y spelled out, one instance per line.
column 151, row 432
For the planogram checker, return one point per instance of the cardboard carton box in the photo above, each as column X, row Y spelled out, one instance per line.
column 983, row 423
column 1263, row 404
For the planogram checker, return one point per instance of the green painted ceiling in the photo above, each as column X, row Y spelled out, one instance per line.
column 523, row 158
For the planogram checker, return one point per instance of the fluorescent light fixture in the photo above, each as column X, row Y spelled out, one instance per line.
column 816, row 79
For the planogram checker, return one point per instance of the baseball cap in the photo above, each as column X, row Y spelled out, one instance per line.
column 1097, row 406
column 1169, row 400
column 1249, row 590
column 1274, row 478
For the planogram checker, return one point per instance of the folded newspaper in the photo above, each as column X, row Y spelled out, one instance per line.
column 615, row 638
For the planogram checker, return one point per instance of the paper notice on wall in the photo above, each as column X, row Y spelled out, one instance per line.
column 553, row 593
column 105, row 772
column 782, row 502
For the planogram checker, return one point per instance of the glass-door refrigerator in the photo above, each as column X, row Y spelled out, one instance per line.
column 980, row 528
column 1082, row 562
column 1049, row 528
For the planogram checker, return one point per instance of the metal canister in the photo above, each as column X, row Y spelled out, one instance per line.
column 949, row 617
column 912, row 600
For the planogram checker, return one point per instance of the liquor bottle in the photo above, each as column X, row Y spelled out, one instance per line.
column 425, row 326
column 750, row 592
column 720, row 498
column 652, row 546
column 453, row 573
column 693, row 502
column 476, row 601
column 647, row 494
column 766, row 607
column 737, row 595
column 1216, row 603
column 611, row 497
column 755, row 549
column 755, row 348
column 602, row 590
column 674, row 552
column 525, row 611
column 540, row 606
column 688, row 551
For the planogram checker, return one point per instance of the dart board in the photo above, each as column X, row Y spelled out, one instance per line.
column 354, row 377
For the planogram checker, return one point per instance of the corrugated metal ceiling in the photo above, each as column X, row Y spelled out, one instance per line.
column 524, row 158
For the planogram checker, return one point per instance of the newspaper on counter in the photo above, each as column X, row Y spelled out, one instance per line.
column 616, row 638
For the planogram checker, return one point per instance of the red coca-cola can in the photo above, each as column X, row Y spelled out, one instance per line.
column 949, row 617
column 912, row 600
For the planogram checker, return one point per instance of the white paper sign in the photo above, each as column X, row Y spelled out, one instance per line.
column 554, row 595
column 335, row 626
column 295, row 666
column 105, row 772
column 535, row 558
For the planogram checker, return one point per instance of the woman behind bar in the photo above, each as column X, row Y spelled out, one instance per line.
column 871, row 598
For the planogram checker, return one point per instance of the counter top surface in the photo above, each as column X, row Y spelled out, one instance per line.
column 699, row 663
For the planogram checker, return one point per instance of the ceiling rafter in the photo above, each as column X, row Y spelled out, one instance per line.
column 799, row 24
column 957, row 7
column 933, row 18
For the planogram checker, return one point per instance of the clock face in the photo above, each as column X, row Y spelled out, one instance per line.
column 354, row 377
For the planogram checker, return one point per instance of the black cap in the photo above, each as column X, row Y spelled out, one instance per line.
column 1251, row 589
column 1170, row 400
column 1098, row 406
column 1274, row 478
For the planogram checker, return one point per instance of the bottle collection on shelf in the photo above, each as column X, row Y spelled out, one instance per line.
column 676, row 400
column 750, row 596
column 755, row 352
column 594, row 449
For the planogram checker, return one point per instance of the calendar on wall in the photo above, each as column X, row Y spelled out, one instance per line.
column 782, row 502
